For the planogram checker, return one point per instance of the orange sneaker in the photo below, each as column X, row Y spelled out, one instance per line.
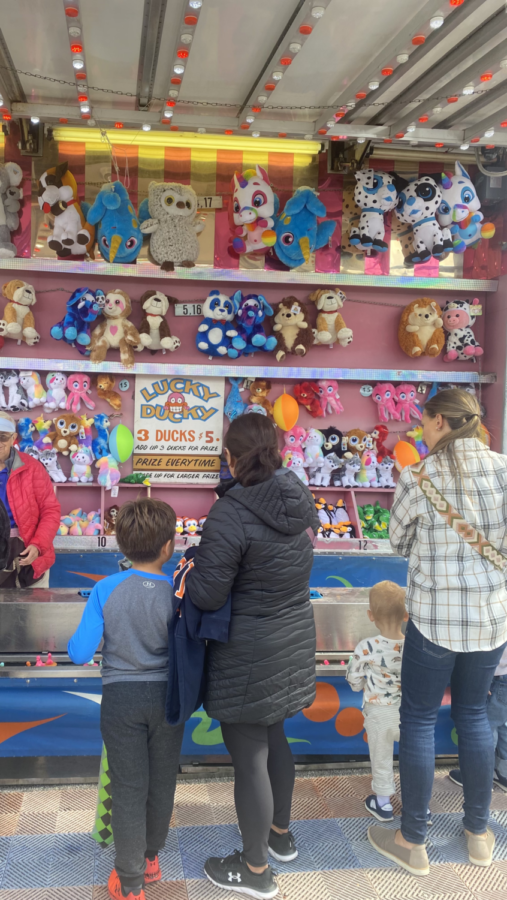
column 152, row 872
column 115, row 891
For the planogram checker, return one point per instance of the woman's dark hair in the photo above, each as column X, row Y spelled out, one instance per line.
column 251, row 441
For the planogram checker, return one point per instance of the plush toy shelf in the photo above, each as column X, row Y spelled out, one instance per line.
column 357, row 490
column 209, row 274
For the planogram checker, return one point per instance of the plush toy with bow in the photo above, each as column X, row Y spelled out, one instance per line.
column 308, row 395
column 298, row 233
column 58, row 197
column 405, row 395
column 459, row 210
column 375, row 194
column 418, row 202
column 250, row 314
column 83, row 307
column 384, row 395
column 118, row 234
column 252, row 210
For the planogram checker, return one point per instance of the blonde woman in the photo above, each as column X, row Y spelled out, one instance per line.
column 457, row 630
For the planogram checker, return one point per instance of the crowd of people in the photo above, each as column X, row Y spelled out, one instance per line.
column 247, row 588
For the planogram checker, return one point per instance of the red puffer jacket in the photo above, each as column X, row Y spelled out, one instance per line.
column 35, row 508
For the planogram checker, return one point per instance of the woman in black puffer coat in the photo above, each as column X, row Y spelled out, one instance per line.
column 255, row 547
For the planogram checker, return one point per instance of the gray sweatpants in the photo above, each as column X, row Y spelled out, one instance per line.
column 143, row 752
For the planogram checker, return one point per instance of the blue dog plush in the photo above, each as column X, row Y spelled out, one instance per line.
column 118, row 234
column 100, row 444
column 25, row 429
column 297, row 231
column 217, row 330
column 250, row 314
column 83, row 307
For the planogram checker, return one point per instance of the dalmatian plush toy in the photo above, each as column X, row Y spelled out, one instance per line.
column 375, row 194
column 458, row 318
column 418, row 201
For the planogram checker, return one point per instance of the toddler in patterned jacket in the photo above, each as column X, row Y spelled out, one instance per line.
column 375, row 669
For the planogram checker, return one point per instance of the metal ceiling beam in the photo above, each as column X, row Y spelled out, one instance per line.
column 459, row 54
column 496, row 93
column 455, row 86
column 460, row 14
column 151, row 35
column 491, row 121
column 10, row 80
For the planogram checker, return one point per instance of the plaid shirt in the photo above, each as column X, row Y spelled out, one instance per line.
column 455, row 598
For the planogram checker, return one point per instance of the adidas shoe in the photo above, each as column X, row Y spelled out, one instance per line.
column 455, row 775
column 152, row 872
column 115, row 889
column 382, row 813
column 282, row 846
column 500, row 780
column 233, row 874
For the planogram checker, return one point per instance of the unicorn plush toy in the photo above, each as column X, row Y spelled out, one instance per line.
column 118, row 234
column 459, row 211
column 251, row 212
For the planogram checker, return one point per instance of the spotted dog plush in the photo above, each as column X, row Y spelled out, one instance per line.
column 458, row 318
column 375, row 194
column 418, row 201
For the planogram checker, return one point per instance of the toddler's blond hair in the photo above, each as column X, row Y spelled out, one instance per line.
column 387, row 602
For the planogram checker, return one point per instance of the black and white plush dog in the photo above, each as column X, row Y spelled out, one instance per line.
column 418, row 202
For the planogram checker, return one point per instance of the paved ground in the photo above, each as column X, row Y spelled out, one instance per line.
column 46, row 852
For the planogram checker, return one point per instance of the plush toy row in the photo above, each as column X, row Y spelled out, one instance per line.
column 77, row 523
column 425, row 328
column 335, row 524
column 189, row 527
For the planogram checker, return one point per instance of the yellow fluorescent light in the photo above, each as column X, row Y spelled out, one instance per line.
column 140, row 138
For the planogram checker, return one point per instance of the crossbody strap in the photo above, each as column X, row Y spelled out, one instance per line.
column 454, row 520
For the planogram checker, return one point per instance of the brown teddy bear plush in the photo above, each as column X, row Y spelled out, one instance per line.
column 420, row 332
column 292, row 328
column 65, row 437
column 259, row 391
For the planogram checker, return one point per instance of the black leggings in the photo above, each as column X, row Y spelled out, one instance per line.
column 263, row 783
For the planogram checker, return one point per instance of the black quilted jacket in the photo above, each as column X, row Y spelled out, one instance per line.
column 254, row 544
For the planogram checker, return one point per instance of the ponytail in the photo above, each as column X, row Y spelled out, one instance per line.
column 251, row 441
column 461, row 411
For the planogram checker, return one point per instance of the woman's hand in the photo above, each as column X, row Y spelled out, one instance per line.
column 28, row 555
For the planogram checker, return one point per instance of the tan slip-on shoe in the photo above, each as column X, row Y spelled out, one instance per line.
column 480, row 847
column 414, row 861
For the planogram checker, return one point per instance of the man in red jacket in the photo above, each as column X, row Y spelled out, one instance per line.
column 27, row 493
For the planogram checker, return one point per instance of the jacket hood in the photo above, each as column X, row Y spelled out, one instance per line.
column 283, row 503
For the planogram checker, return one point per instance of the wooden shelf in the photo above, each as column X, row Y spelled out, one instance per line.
column 143, row 269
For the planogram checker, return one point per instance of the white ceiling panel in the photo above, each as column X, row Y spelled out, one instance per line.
column 112, row 37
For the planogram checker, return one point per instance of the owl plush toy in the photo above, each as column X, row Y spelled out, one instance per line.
column 169, row 216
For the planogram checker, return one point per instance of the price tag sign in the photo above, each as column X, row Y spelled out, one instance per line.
column 193, row 308
column 213, row 202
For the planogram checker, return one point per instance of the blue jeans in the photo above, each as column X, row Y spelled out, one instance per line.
column 426, row 671
column 497, row 715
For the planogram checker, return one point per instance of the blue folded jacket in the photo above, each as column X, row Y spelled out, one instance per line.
column 188, row 633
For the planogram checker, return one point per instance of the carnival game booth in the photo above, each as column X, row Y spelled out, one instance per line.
column 328, row 252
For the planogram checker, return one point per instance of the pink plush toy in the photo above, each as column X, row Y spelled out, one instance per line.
column 384, row 395
column 294, row 439
column 329, row 397
column 79, row 387
column 405, row 395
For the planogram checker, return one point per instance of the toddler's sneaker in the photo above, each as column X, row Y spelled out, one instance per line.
column 233, row 874
column 152, row 872
column 429, row 820
column 115, row 889
column 455, row 775
column 500, row 780
column 382, row 813
column 282, row 846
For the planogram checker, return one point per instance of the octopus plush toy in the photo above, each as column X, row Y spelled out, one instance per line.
column 251, row 213
column 405, row 395
column 298, row 233
column 79, row 387
column 329, row 397
column 384, row 395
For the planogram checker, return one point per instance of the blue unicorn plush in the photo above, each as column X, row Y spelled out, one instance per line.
column 118, row 234
column 297, row 231
column 83, row 307
column 234, row 405
column 25, row 429
column 251, row 312
column 100, row 444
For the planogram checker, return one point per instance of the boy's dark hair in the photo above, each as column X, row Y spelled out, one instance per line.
column 143, row 527
column 251, row 440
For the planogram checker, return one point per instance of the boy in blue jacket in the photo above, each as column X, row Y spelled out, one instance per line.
column 132, row 612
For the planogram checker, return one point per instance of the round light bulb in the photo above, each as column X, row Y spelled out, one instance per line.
column 262, row 98
column 146, row 127
column 179, row 69
column 437, row 110
column 402, row 58
column 468, row 89
column 250, row 119
column 78, row 63
column 91, row 122
column 318, row 12
column 74, row 31
column 411, row 127
column 201, row 131
column 186, row 38
column 436, row 21
column 373, row 85
column 503, row 63
column 295, row 47
column 85, row 107
column 489, row 133
column 330, row 123
column 195, row 4
column 168, row 113
column 277, row 76
column 308, row 137
column 464, row 146
column 361, row 140
column 256, row 134
column 34, row 120
column 351, row 104
column 173, row 94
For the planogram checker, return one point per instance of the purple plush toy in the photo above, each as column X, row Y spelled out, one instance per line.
column 251, row 312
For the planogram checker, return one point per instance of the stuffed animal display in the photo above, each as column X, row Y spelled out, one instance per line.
column 405, row 396
column 116, row 332
column 109, row 473
column 31, row 383
column 251, row 213
column 329, row 397
column 418, row 202
column 11, row 176
column 307, row 394
column 298, row 233
column 374, row 521
column 375, row 194
column 292, row 327
column 79, row 388
column 169, row 215
column 397, row 403
column 118, row 234
column 216, row 331
column 83, row 307
column 458, row 318
column 250, row 314
column 56, row 398
column 58, row 197
column 259, row 391
column 18, row 317
column 335, row 524
column 105, row 385
column 420, row 331
column 78, row 523
column 459, row 210
column 384, row 395
column 331, row 328
column 154, row 329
